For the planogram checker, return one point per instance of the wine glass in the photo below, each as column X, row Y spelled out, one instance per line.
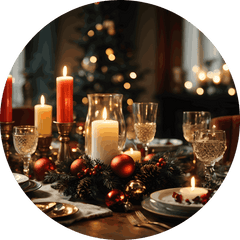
column 145, row 115
column 209, row 147
column 25, row 140
column 193, row 121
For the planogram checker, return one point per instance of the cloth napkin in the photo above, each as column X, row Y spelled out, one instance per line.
column 86, row 211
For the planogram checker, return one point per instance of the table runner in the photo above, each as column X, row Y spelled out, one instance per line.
column 86, row 211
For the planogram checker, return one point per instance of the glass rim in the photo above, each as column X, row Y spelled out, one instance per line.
column 145, row 103
column 25, row 126
column 196, row 112
column 104, row 94
column 210, row 131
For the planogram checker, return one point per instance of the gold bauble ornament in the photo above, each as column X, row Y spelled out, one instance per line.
column 134, row 190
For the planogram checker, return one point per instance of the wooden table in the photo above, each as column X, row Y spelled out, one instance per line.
column 116, row 226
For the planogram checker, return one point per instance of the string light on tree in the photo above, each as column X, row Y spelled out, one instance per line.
column 99, row 26
column 130, row 102
column 210, row 74
column 231, row 91
column 133, row 75
column 85, row 100
column 93, row 59
column 195, row 68
column 90, row 33
column 111, row 57
column 216, row 79
column 127, row 85
column 225, row 67
column 200, row 91
column 188, row 84
column 202, row 76
column 109, row 51
column 104, row 69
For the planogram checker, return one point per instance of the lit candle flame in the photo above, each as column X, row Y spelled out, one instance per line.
column 131, row 150
column 104, row 113
column 192, row 183
column 42, row 100
column 64, row 71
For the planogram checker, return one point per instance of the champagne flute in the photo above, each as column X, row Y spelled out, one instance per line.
column 145, row 115
column 25, row 140
column 209, row 147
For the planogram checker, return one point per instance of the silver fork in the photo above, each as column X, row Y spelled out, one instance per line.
column 134, row 222
column 145, row 220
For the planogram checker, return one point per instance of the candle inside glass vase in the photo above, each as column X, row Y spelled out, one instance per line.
column 104, row 139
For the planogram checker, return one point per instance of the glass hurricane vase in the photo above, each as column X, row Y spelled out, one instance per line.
column 112, row 103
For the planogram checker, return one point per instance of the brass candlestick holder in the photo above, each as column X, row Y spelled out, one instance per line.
column 6, row 131
column 64, row 129
column 43, row 145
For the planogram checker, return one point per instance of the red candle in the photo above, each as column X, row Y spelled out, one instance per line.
column 6, row 106
column 64, row 98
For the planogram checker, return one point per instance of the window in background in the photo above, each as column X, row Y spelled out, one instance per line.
column 18, row 80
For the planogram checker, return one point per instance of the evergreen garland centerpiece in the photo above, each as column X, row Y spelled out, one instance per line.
column 94, row 179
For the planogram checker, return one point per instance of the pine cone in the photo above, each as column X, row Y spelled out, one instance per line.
column 150, row 176
column 83, row 189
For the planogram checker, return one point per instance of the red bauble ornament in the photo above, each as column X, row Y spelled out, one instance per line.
column 42, row 166
column 123, row 165
column 77, row 166
column 149, row 157
column 115, row 199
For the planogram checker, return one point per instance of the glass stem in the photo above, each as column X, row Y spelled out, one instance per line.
column 210, row 173
column 26, row 160
column 145, row 149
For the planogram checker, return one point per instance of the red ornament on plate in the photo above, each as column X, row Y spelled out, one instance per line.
column 42, row 166
column 149, row 157
column 123, row 165
column 77, row 166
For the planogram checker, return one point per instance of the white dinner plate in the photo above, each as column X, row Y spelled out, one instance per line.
column 164, row 199
column 165, row 144
column 153, row 207
column 20, row 178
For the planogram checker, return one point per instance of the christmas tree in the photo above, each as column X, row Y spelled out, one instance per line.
column 107, row 65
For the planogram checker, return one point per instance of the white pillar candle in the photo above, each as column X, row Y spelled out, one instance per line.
column 43, row 118
column 192, row 192
column 134, row 154
column 104, row 139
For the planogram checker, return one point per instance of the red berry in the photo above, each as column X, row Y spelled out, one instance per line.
column 163, row 164
column 174, row 194
column 79, row 175
column 99, row 167
column 204, row 201
column 160, row 159
column 86, row 171
column 96, row 167
column 94, row 172
column 179, row 198
column 158, row 164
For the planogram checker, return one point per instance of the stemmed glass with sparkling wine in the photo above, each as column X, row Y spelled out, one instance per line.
column 193, row 121
column 209, row 147
column 145, row 115
column 25, row 140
